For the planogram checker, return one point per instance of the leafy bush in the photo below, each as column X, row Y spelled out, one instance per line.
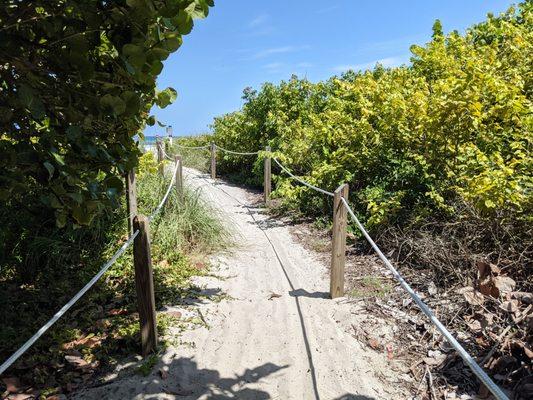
column 77, row 82
column 194, row 158
column 147, row 165
column 411, row 141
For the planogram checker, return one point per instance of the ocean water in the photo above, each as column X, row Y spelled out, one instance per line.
column 149, row 140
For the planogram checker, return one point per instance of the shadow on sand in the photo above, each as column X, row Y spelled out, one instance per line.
column 184, row 380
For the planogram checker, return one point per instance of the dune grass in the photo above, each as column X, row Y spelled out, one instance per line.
column 103, row 326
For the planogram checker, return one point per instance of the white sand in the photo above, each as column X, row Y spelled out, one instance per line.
column 296, row 346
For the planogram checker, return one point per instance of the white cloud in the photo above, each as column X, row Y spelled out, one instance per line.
column 278, row 50
column 259, row 20
column 386, row 62
column 274, row 65
column 260, row 26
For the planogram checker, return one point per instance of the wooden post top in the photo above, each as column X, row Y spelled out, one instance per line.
column 342, row 190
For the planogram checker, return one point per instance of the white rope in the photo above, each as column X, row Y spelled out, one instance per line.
column 78, row 295
column 496, row 391
column 237, row 152
column 65, row 308
column 193, row 147
column 302, row 181
column 163, row 201
column 167, row 156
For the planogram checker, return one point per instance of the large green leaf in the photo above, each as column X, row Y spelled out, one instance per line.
column 112, row 104
column 78, row 82
column 166, row 97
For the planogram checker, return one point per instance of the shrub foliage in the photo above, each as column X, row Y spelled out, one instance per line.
column 77, row 81
column 453, row 127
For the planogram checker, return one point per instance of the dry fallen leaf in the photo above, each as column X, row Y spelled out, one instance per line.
column 433, row 361
column 510, row 306
column 472, row 296
column 117, row 311
column 374, row 343
column 432, row 288
column 200, row 266
column 175, row 314
column 473, row 324
column 485, row 269
column 504, row 284
column 103, row 324
column 13, row 384
column 89, row 341
column 20, row 396
column 274, row 296
column 435, row 357
column 480, row 321
column 77, row 362
column 486, row 286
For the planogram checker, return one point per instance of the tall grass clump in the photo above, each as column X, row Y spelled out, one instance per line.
column 103, row 325
column 187, row 225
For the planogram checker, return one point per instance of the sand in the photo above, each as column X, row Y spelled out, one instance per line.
column 270, row 331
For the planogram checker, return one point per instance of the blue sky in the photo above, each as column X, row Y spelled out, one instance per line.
column 247, row 42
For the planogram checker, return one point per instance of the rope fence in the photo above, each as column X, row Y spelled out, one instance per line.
column 165, row 197
column 192, row 147
column 301, row 180
column 22, row 349
column 483, row 377
column 341, row 207
column 237, row 152
column 167, row 156
column 341, row 194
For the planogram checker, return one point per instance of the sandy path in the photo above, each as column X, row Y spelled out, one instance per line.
column 254, row 347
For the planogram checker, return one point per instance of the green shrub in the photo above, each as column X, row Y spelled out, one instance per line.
column 410, row 141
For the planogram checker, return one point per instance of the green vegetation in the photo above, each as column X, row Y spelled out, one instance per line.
column 103, row 326
column 197, row 159
column 77, row 82
column 371, row 286
column 443, row 144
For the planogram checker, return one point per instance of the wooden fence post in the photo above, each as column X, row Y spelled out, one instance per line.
column 179, row 177
column 144, row 284
column 160, row 166
column 213, row 161
column 131, row 199
column 338, row 248
column 267, row 185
